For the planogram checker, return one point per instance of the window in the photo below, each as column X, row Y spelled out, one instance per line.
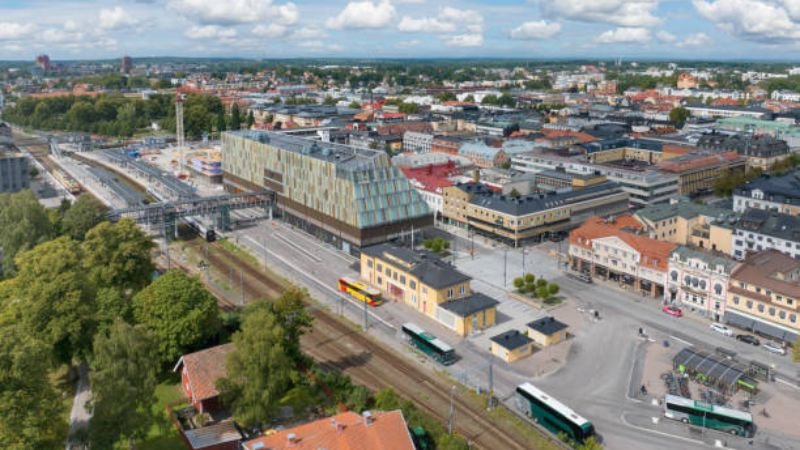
column 380, row 280
column 789, row 301
column 761, row 307
column 782, row 315
column 771, row 311
column 749, row 304
column 461, row 289
column 793, row 318
column 369, row 263
column 735, row 300
column 674, row 275
column 450, row 293
column 388, row 272
column 380, row 267
column 412, row 284
column 718, row 289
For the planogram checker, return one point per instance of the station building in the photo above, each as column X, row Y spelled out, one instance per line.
column 347, row 196
column 426, row 283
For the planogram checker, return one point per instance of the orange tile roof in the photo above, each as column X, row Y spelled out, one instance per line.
column 580, row 136
column 204, row 368
column 655, row 254
column 344, row 431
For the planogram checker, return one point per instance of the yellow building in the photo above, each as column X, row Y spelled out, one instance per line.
column 547, row 331
column 426, row 283
column 511, row 346
column 687, row 223
column 764, row 295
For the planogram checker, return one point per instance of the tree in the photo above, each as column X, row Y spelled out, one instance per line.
column 290, row 310
column 519, row 283
column 220, row 122
column 251, row 120
column 82, row 217
column 23, row 224
column 355, row 105
column 506, row 100
column 514, row 193
column 553, row 288
column 590, row 444
column 236, row 119
column 490, row 99
column 259, row 368
column 330, row 101
column 679, row 115
column 541, row 282
column 54, row 297
column 408, row 108
column 124, row 378
column 530, row 278
column 179, row 311
column 446, row 96
column 469, row 98
column 796, row 350
column 30, row 407
column 542, row 292
column 117, row 255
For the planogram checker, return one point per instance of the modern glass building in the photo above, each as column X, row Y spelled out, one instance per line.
column 351, row 197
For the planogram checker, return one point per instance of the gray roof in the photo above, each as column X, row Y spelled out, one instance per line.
column 344, row 156
column 712, row 259
column 429, row 268
column 770, row 223
column 529, row 204
column 748, row 145
column 780, row 189
column 511, row 340
column 547, row 325
column 467, row 306
column 211, row 435
column 683, row 208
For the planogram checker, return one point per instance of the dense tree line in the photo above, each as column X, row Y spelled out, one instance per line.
column 115, row 115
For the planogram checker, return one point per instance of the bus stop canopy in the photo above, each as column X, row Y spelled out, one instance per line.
column 715, row 369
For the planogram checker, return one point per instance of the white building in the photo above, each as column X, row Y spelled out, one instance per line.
column 759, row 230
column 417, row 142
column 785, row 96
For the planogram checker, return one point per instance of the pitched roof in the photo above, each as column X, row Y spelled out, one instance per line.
column 464, row 307
column 547, row 325
column 204, row 368
column 511, row 340
column 429, row 268
column 770, row 269
column 682, row 208
column 211, row 435
column 655, row 254
column 344, row 431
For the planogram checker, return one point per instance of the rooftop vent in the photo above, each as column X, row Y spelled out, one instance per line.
column 368, row 418
column 292, row 438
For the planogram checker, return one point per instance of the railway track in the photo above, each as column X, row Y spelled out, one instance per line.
column 337, row 345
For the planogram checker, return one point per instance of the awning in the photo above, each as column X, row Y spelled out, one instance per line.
column 759, row 326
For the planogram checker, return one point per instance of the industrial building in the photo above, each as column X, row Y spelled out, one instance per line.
column 347, row 196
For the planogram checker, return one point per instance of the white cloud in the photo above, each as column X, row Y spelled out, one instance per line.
column 695, row 40
column 363, row 14
column 425, row 25
column 624, row 35
column 627, row 13
column 10, row 31
column 666, row 37
column 469, row 17
column 210, row 32
column 540, row 29
column 228, row 12
column 279, row 31
column 115, row 18
column 464, row 40
column 767, row 21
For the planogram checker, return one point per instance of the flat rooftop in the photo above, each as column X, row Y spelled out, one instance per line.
column 343, row 156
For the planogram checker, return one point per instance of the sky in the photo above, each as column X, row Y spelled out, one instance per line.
column 655, row 29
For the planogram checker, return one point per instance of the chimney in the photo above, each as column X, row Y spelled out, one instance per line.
column 368, row 418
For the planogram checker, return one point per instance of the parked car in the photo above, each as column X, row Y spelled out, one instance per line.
column 720, row 328
column 746, row 338
column 774, row 347
column 672, row 310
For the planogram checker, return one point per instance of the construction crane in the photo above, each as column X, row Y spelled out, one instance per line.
column 180, row 133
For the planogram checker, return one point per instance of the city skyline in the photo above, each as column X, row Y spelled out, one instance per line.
column 677, row 29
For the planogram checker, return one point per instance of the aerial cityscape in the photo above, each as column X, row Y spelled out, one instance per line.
column 399, row 225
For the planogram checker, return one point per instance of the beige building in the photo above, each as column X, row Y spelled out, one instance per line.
column 511, row 346
column 547, row 331
column 426, row 283
column 764, row 295
column 684, row 222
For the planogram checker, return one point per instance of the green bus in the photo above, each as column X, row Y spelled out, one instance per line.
column 558, row 418
column 706, row 415
column 429, row 344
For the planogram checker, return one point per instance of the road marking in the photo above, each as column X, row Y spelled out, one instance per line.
column 781, row 380
column 681, row 340
column 674, row 436
column 313, row 242
column 317, row 282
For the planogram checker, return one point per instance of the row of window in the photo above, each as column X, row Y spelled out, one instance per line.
column 771, row 310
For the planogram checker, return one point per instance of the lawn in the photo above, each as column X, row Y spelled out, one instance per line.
column 163, row 435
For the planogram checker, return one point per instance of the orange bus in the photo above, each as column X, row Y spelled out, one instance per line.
column 360, row 291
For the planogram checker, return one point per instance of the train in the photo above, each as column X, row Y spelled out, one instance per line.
column 206, row 232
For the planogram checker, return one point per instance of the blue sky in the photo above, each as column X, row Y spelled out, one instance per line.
column 695, row 29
